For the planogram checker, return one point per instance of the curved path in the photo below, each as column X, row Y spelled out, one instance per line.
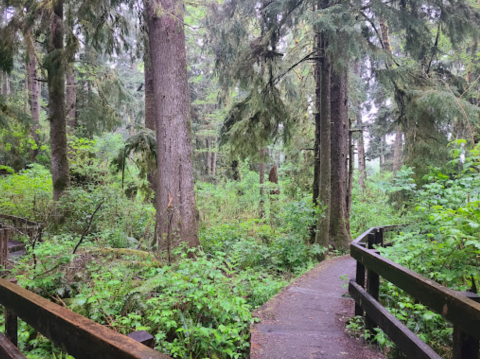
column 307, row 319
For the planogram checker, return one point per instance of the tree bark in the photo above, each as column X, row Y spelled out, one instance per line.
column 178, row 219
column 316, row 149
column 350, row 173
column 56, row 104
column 397, row 154
column 71, row 97
column 361, row 158
column 213, row 166
column 316, row 163
column 362, row 168
column 382, row 160
column 34, row 95
column 385, row 38
column 397, row 151
column 7, row 85
column 325, row 173
column 150, row 117
column 262, row 182
column 208, row 159
column 339, row 219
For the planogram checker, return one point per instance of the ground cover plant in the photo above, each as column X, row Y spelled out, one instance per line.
column 197, row 308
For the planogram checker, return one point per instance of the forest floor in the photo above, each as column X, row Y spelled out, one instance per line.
column 307, row 319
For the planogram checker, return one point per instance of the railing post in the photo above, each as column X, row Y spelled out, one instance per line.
column 4, row 235
column 373, row 284
column 2, row 261
column 11, row 326
column 360, row 280
column 464, row 345
column 379, row 237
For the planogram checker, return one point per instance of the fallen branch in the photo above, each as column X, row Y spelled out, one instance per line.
column 88, row 227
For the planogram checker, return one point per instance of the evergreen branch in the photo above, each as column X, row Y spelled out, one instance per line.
column 464, row 113
column 473, row 83
column 370, row 21
column 279, row 77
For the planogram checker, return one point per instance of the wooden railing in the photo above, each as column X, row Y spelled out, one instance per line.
column 17, row 226
column 4, row 237
column 69, row 331
column 459, row 308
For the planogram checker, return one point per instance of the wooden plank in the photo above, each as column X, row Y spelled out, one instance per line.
column 452, row 306
column 8, row 350
column 403, row 337
column 75, row 334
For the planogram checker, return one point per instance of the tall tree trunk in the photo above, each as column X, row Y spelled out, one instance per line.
column 7, row 85
column 382, row 160
column 397, row 154
column 397, row 151
column 361, row 158
column 362, row 169
column 25, row 90
column 2, row 80
column 316, row 149
column 34, row 95
column 208, row 159
column 316, row 160
column 385, row 38
column 339, row 233
column 213, row 166
column 150, row 117
column 262, row 182
column 178, row 216
column 71, row 97
column 56, row 104
column 325, row 173
column 350, row 165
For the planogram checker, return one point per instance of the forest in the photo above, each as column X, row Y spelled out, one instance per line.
column 186, row 160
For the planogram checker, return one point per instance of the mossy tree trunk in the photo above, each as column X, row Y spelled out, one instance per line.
column 71, row 97
column 33, row 91
column 150, row 116
column 177, row 213
column 339, row 217
column 56, row 103
column 325, row 173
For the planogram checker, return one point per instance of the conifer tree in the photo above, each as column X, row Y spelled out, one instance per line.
column 177, row 212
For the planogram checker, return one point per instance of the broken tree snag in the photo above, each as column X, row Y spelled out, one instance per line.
column 273, row 178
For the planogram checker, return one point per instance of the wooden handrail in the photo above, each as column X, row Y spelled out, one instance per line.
column 8, row 350
column 15, row 219
column 73, row 333
column 455, row 307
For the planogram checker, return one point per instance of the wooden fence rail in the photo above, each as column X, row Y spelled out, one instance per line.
column 73, row 333
column 460, row 309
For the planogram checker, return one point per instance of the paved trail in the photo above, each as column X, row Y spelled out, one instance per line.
column 307, row 319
